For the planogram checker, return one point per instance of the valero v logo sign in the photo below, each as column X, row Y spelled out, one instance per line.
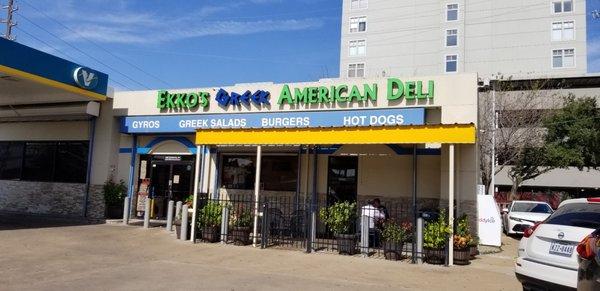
column 85, row 78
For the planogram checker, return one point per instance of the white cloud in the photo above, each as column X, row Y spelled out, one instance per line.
column 177, row 31
column 124, row 25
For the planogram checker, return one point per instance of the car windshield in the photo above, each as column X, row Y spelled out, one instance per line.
column 531, row 207
column 577, row 214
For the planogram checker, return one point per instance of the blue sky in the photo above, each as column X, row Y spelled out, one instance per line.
column 155, row 44
column 593, row 35
column 182, row 44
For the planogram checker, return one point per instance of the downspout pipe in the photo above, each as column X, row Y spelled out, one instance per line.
column 88, row 176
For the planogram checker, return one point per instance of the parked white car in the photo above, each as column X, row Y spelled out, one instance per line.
column 521, row 215
column 547, row 259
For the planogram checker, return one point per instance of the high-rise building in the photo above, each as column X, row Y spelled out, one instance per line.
column 522, row 39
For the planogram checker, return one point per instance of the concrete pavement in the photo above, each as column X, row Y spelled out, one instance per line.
column 114, row 257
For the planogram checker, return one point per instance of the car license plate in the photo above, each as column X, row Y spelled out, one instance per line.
column 561, row 249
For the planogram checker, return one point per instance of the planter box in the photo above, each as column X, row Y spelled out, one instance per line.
column 211, row 234
column 462, row 256
column 435, row 256
column 114, row 211
column 241, row 235
column 392, row 250
column 346, row 244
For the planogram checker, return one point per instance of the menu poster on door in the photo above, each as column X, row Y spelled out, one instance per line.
column 143, row 192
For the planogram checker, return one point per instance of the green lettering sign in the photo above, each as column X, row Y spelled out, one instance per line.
column 396, row 89
column 186, row 101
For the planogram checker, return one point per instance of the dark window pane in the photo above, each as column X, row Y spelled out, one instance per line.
column 71, row 162
column 38, row 164
column 577, row 214
column 238, row 172
column 11, row 158
column 279, row 173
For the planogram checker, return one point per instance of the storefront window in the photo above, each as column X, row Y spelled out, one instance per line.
column 71, row 162
column 48, row 161
column 38, row 161
column 11, row 157
column 238, row 172
column 278, row 173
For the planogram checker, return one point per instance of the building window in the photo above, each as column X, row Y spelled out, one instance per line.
column 561, row 6
column 357, row 48
column 356, row 70
column 278, row 173
column 48, row 161
column 451, row 63
column 451, row 12
column 563, row 30
column 358, row 24
column 452, row 37
column 359, row 4
column 563, row 58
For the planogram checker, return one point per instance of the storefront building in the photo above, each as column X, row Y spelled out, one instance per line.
column 333, row 140
column 56, row 130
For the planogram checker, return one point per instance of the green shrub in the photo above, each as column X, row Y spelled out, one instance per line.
column 210, row 215
column 436, row 233
column 114, row 193
column 241, row 217
column 339, row 217
column 392, row 232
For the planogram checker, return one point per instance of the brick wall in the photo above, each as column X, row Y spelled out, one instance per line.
column 57, row 199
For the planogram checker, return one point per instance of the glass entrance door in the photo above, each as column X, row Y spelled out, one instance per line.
column 170, row 180
column 342, row 176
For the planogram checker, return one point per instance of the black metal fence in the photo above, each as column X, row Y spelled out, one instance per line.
column 284, row 222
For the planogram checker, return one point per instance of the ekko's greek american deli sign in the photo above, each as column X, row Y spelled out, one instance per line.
column 396, row 90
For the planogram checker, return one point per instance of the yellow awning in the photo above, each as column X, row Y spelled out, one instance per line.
column 449, row 134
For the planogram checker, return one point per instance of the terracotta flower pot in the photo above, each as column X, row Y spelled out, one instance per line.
column 462, row 256
column 241, row 235
column 346, row 244
column 392, row 250
column 211, row 234
column 435, row 256
column 473, row 252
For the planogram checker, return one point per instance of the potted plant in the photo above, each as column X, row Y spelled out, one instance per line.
column 407, row 227
column 189, row 201
column 435, row 237
column 209, row 221
column 393, row 240
column 241, row 223
column 114, row 195
column 461, row 239
column 340, row 217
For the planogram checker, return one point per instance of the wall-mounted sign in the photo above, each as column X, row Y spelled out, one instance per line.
column 396, row 89
column 336, row 118
column 258, row 98
column 85, row 78
column 193, row 100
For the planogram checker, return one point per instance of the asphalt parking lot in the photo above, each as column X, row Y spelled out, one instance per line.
column 115, row 257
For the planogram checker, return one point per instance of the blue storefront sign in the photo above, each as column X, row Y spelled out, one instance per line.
column 338, row 118
column 593, row 35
